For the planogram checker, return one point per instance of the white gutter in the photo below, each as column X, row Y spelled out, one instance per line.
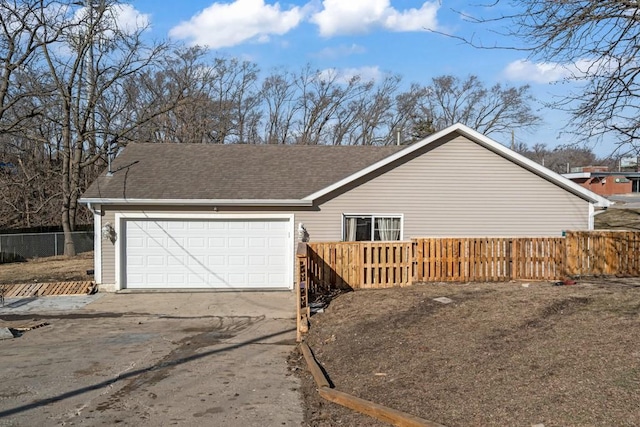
column 199, row 202
column 91, row 207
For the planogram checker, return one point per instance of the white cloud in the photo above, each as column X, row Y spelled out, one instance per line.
column 124, row 17
column 128, row 19
column 344, row 75
column 549, row 72
column 361, row 16
column 541, row 72
column 229, row 24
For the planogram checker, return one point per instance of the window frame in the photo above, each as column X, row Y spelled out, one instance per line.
column 373, row 217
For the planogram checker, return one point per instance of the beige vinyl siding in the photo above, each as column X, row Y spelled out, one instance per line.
column 457, row 189
column 108, row 250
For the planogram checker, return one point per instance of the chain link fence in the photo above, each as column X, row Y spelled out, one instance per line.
column 15, row 247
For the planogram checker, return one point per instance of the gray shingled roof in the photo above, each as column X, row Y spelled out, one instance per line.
column 209, row 171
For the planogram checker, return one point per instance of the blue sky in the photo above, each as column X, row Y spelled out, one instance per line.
column 370, row 37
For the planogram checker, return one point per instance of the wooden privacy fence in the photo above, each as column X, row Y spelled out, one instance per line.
column 603, row 253
column 488, row 259
column 360, row 265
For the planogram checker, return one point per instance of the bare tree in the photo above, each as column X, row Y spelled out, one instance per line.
column 88, row 69
column 321, row 95
column 234, row 92
column 325, row 107
column 562, row 159
column 278, row 93
column 450, row 100
column 596, row 42
column 22, row 34
column 375, row 112
column 29, row 196
column 183, row 74
column 408, row 114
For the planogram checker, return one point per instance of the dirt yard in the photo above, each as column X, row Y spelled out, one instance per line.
column 618, row 219
column 50, row 269
column 508, row 354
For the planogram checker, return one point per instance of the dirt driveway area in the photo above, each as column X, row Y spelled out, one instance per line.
column 153, row 359
column 494, row 354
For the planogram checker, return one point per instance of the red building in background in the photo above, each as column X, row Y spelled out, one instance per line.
column 604, row 182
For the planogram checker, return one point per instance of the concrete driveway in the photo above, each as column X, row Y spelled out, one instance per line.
column 152, row 359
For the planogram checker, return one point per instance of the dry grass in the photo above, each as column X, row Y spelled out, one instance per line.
column 50, row 269
column 499, row 355
column 616, row 218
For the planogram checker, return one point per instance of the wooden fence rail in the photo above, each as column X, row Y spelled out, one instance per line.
column 365, row 265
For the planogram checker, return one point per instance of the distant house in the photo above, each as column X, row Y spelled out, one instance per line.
column 604, row 182
column 229, row 216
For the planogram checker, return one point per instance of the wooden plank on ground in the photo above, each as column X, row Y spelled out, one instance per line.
column 316, row 371
column 71, row 288
column 24, row 290
column 382, row 413
column 38, row 289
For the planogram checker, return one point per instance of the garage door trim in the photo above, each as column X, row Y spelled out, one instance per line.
column 121, row 217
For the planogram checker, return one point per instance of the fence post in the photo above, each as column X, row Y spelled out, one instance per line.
column 55, row 244
column 302, row 291
column 567, row 267
column 415, row 258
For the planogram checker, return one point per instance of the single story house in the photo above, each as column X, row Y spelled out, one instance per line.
column 230, row 216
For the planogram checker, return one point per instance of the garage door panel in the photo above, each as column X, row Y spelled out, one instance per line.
column 137, row 242
column 206, row 253
column 175, row 243
column 275, row 278
column 175, row 260
column 237, row 242
column 276, row 260
column 257, row 225
column 195, row 225
column 237, row 225
column 237, row 260
column 136, row 260
column 216, row 242
column 196, row 280
column 276, row 243
column 195, row 242
column 255, row 260
column 257, row 242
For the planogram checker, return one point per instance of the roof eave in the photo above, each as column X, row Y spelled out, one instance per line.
column 577, row 175
column 197, row 202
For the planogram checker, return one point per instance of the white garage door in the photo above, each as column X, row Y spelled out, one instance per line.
column 216, row 254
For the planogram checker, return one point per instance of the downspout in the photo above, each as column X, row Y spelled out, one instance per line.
column 97, row 243
column 592, row 215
